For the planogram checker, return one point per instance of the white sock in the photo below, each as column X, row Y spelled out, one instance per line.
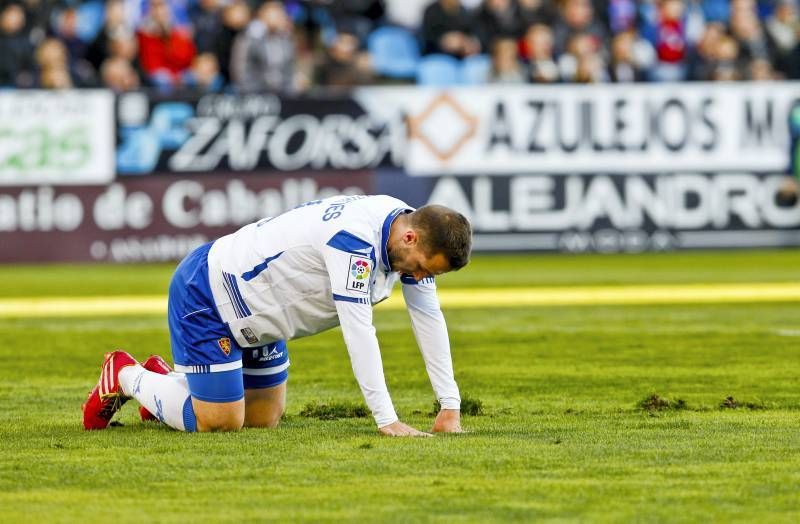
column 165, row 396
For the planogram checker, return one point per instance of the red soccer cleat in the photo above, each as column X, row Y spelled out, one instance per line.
column 156, row 364
column 106, row 397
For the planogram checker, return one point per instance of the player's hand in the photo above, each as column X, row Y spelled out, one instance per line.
column 399, row 429
column 448, row 421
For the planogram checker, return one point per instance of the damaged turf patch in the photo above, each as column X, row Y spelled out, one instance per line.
column 655, row 402
column 469, row 406
column 334, row 410
column 732, row 403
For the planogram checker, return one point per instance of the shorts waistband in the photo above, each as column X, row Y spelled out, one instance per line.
column 208, row 368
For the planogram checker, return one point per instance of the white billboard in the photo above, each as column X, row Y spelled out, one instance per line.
column 620, row 128
column 56, row 137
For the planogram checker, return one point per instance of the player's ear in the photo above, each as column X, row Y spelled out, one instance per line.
column 410, row 237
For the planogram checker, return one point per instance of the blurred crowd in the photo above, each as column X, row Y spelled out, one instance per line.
column 294, row 46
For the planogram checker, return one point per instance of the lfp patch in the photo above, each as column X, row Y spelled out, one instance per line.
column 358, row 276
column 225, row 345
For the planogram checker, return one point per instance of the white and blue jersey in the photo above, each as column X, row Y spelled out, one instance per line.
column 319, row 265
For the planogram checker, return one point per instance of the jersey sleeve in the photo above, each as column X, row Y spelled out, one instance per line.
column 430, row 330
column 350, row 261
column 365, row 359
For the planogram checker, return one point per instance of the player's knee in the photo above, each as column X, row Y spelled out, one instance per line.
column 218, row 423
column 265, row 406
column 265, row 419
column 219, row 416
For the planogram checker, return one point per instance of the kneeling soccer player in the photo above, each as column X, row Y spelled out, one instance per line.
column 234, row 302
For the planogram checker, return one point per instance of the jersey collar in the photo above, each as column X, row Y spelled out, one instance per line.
column 387, row 225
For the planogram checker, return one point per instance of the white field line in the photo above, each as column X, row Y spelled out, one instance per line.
column 450, row 298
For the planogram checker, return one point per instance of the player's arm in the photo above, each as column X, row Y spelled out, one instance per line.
column 365, row 358
column 430, row 330
column 346, row 261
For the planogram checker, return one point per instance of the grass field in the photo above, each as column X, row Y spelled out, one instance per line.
column 563, row 436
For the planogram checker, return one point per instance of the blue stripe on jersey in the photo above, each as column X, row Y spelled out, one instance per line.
column 239, row 297
column 387, row 225
column 227, row 285
column 349, row 243
column 236, row 296
column 408, row 279
column 253, row 273
column 343, row 298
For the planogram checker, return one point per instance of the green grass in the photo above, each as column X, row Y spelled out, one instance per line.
column 564, row 434
column 483, row 271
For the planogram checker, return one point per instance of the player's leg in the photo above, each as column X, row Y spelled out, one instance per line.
column 165, row 396
column 156, row 364
column 121, row 378
column 206, row 401
column 264, row 407
column 217, row 400
column 206, row 393
column 265, row 371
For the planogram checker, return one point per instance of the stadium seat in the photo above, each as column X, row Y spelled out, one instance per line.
column 439, row 70
column 394, row 52
column 475, row 69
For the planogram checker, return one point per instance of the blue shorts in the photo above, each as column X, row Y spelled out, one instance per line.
column 216, row 367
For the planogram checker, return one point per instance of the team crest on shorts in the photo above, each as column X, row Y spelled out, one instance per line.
column 225, row 345
column 358, row 274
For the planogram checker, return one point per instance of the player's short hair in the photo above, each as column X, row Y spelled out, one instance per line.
column 442, row 230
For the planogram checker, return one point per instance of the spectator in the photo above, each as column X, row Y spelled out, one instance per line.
column 447, row 28
column 506, row 67
column 622, row 15
column 235, row 17
column 66, row 30
column 114, row 26
column 725, row 66
column 207, row 22
column 204, row 75
column 126, row 46
column 631, row 57
column 537, row 48
column 80, row 70
column 746, row 28
column 760, row 70
column 690, row 39
column 357, row 17
column 582, row 63
column 165, row 51
column 782, row 29
column 55, row 78
column 536, row 12
column 344, row 65
column 16, row 58
column 498, row 19
column 263, row 55
column 38, row 15
column 52, row 61
column 701, row 61
column 137, row 11
column 577, row 17
column 670, row 42
column 119, row 75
